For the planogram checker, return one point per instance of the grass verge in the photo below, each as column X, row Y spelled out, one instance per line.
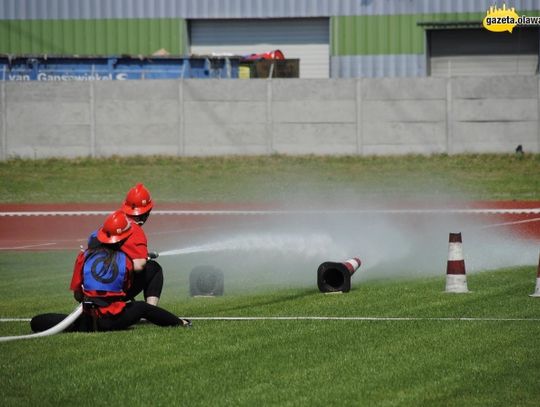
column 271, row 178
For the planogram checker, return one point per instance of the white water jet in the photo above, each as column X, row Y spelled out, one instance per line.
column 307, row 245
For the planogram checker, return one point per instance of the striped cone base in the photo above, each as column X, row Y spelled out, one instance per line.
column 456, row 278
column 456, row 283
column 537, row 289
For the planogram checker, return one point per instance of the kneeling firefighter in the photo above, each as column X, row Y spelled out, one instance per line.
column 102, row 277
column 148, row 278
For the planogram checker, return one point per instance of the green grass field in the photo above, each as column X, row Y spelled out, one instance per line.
column 421, row 362
column 280, row 362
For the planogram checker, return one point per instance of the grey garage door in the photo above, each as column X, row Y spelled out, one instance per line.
column 306, row 39
column 458, row 52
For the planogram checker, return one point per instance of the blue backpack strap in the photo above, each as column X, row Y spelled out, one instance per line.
column 93, row 241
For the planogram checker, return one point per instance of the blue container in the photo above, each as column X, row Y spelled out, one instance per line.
column 58, row 68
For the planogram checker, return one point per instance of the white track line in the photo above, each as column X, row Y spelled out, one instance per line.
column 54, row 213
column 27, row 247
column 14, row 319
column 510, row 223
column 515, row 211
column 299, row 318
column 357, row 319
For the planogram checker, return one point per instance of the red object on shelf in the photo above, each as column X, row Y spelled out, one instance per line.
column 276, row 54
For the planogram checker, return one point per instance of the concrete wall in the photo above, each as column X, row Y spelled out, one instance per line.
column 289, row 116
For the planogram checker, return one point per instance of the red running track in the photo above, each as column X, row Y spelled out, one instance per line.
column 37, row 227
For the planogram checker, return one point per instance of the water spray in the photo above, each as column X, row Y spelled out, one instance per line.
column 311, row 245
column 206, row 281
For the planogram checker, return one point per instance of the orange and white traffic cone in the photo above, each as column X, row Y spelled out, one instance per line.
column 456, row 279
column 537, row 289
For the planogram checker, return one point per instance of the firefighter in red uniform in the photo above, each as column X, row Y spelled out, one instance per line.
column 148, row 276
column 103, row 276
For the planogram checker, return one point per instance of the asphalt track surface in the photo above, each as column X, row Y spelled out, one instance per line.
column 35, row 227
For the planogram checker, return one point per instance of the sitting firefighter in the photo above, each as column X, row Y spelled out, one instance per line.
column 102, row 277
column 148, row 278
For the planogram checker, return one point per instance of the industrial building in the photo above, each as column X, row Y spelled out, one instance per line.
column 330, row 38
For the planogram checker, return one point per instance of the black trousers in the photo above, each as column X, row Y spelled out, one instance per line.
column 132, row 313
column 149, row 281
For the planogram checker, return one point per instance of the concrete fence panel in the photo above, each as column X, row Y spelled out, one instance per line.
column 139, row 117
column 47, row 119
column 314, row 116
column 3, row 122
column 495, row 114
column 220, row 117
column 265, row 116
column 404, row 117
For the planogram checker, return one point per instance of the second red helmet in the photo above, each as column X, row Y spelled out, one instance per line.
column 138, row 201
column 116, row 228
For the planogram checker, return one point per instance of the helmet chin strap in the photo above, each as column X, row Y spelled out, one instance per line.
column 141, row 219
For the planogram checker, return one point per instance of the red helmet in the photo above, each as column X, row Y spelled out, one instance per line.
column 116, row 228
column 138, row 201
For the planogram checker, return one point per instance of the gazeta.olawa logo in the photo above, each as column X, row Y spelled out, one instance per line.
column 505, row 19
